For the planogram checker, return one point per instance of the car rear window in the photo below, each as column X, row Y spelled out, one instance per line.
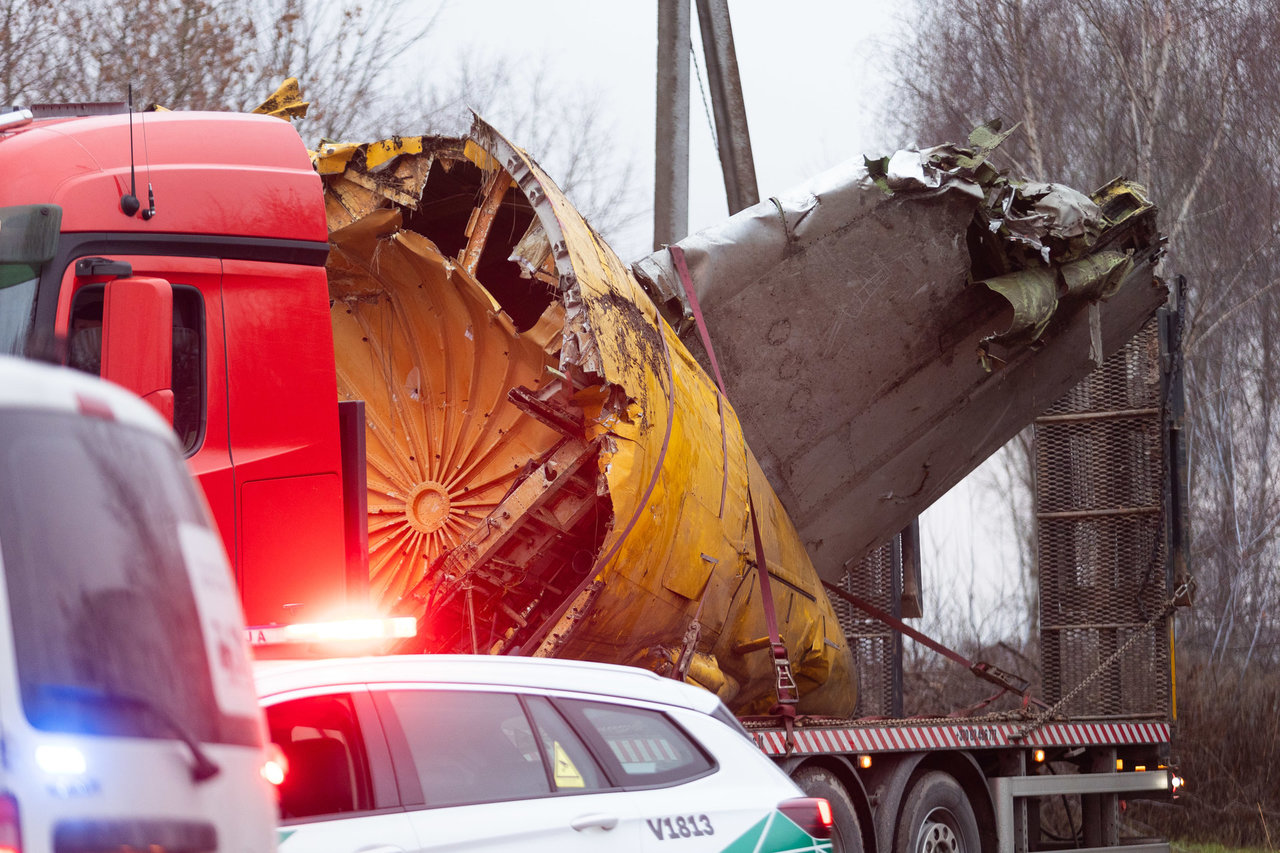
column 644, row 747
column 572, row 767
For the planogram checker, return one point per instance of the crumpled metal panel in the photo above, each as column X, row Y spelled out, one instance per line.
column 431, row 354
column 429, row 338
column 886, row 327
column 676, row 500
column 285, row 102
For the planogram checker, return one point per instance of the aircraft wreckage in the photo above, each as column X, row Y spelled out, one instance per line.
column 551, row 471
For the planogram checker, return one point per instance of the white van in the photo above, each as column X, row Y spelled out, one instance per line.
column 127, row 709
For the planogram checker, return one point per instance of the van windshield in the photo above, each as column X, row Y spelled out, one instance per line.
column 101, row 535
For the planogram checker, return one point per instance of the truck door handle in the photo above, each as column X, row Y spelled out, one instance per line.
column 587, row 821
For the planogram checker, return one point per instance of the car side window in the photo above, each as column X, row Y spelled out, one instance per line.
column 327, row 771
column 640, row 746
column 470, row 747
column 573, row 770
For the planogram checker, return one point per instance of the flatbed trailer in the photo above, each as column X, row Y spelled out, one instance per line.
column 999, row 766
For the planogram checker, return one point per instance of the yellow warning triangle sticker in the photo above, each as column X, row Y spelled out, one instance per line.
column 567, row 775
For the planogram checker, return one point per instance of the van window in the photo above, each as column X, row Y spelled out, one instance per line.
column 107, row 628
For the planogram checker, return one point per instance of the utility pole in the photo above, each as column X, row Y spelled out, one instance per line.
column 726, row 103
column 671, row 155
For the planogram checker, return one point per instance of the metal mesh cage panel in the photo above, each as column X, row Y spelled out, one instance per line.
column 1099, row 482
column 870, row 639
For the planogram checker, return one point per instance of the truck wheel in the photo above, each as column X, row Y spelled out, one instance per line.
column 846, row 832
column 937, row 818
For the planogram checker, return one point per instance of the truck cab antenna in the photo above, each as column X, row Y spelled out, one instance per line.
column 129, row 203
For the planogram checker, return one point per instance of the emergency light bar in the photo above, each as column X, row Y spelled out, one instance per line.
column 336, row 631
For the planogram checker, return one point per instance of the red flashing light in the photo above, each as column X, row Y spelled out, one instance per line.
column 274, row 769
column 812, row 814
column 335, row 631
column 10, row 829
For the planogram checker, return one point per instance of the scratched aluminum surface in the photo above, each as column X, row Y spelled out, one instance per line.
column 874, row 359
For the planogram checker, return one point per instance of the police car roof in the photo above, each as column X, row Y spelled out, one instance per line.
column 278, row 676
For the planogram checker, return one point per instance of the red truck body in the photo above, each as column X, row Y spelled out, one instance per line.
column 239, row 231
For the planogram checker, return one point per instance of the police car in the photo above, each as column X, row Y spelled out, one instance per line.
column 398, row 754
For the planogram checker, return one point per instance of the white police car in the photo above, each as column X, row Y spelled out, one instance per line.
column 409, row 753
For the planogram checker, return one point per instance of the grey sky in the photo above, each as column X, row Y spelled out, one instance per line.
column 804, row 66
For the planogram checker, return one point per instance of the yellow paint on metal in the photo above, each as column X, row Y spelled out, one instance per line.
column 285, row 102
column 378, row 153
column 433, row 356
column 681, row 520
column 483, row 159
column 332, row 158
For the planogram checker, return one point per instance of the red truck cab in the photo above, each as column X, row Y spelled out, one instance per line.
column 229, row 241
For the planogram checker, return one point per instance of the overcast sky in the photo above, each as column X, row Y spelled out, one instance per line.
column 804, row 66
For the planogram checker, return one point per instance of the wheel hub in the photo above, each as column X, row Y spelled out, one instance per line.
column 936, row 837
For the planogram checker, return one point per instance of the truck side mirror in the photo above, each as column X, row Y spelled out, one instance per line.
column 137, row 339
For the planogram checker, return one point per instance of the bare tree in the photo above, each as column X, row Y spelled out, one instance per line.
column 219, row 54
column 1175, row 94
column 177, row 53
column 560, row 123
column 347, row 55
column 1166, row 92
column 360, row 67
column 30, row 33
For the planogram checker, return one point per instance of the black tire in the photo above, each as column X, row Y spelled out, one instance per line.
column 846, row 832
column 937, row 817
